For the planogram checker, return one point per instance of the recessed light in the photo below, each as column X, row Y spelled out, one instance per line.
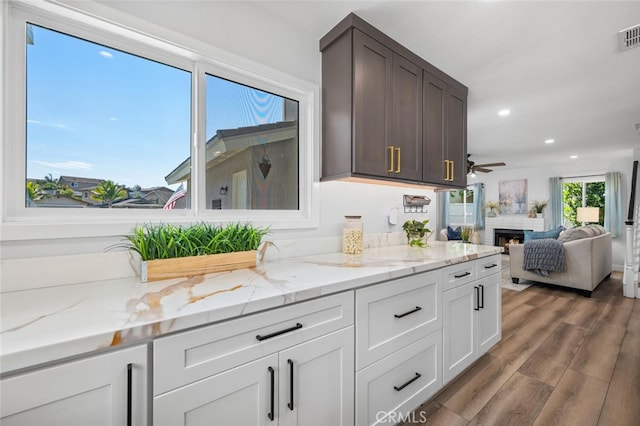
column 504, row 112
column 549, row 141
column 573, row 157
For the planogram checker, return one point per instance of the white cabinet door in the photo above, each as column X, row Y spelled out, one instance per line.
column 316, row 381
column 458, row 329
column 108, row 390
column 243, row 396
column 488, row 324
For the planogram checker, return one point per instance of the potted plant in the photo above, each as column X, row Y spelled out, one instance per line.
column 493, row 207
column 171, row 251
column 416, row 230
column 465, row 233
column 539, row 206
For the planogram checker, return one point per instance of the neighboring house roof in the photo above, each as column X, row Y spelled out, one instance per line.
column 152, row 198
column 81, row 183
column 60, row 201
column 138, row 203
column 229, row 142
column 161, row 193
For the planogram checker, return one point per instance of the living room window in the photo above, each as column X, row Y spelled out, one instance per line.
column 110, row 125
column 582, row 192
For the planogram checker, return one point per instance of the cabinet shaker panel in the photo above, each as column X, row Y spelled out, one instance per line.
column 407, row 119
column 434, row 98
column 372, row 106
column 457, row 135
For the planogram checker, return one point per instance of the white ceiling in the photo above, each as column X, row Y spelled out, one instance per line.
column 555, row 65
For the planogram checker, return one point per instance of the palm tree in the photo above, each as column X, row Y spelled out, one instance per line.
column 34, row 191
column 108, row 192
column 50, row 183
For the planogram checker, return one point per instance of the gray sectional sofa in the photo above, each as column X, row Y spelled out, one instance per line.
column 588, row 260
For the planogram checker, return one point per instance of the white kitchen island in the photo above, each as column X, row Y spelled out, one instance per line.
column 183, row 337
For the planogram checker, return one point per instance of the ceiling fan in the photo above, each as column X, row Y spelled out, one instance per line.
column 472, row 167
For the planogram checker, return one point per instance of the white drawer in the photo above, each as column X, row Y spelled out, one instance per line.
column 458, row 274
column 193, row 355
column 400, row 382
column 488, row 265
column 391, row 315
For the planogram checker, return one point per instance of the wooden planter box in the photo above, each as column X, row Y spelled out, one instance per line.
column 162, row 269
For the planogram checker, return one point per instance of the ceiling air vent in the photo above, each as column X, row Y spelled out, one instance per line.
column 629, row 38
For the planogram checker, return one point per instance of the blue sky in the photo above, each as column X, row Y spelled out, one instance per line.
column 97, row 112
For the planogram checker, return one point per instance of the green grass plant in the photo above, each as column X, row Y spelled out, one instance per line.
column 166, row 241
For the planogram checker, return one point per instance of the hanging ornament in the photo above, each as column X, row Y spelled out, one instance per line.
column 264, row 164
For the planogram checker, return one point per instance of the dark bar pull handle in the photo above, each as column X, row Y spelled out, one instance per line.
column 477, row 301
column 490, row 266
column 418, row 308
column 277, row 333
column 129, row 393
column 290, row 404
column 481, row 296
column 273, row 379
column 463, row 275
column 399, row 388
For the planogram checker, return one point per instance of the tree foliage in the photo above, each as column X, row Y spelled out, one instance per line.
column 108, row 192
column 34, row 191
column 572, row 193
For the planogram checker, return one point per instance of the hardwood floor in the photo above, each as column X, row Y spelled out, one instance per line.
column 563, row 360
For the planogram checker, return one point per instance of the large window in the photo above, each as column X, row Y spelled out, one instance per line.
column 252, row 148
column 109, row 123
column 103, row 127
column 582, row 192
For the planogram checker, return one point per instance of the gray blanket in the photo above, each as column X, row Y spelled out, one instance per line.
column 543, row 256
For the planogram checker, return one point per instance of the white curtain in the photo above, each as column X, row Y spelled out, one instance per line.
column 613, row 203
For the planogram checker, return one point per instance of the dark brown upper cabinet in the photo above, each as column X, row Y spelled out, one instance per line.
column 444, row 133
column 376, row 108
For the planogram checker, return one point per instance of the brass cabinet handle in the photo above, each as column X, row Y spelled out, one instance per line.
column 390, row 169
column 446, row 169
column 453, row 168
column 398, row 168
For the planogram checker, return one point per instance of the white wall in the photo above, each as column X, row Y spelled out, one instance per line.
column 538, row 185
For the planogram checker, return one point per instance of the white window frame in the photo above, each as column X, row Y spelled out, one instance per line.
column 23, row 223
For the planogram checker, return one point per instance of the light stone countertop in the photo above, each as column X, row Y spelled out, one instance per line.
column 48, row 324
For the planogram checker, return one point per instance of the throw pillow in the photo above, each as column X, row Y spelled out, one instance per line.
column 599, row 229
column 536, row 235
column 453, row 234
column 572, row 234
column 591, row 232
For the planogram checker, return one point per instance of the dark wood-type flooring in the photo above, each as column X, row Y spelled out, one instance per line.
column 564, row 359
